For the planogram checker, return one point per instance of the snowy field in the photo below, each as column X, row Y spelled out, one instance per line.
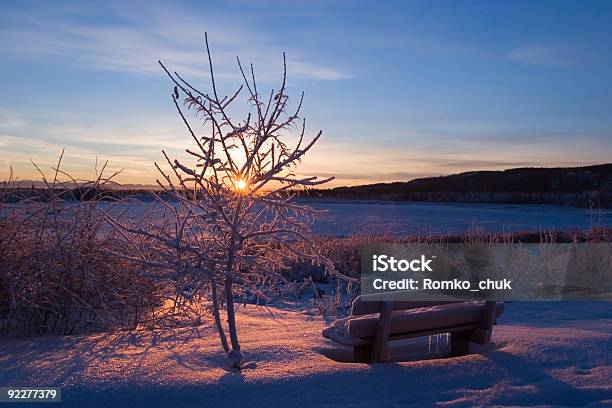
column 543, row 353
column 406, row 218
column 547, row 354
column 347, row 217
column 342, row 218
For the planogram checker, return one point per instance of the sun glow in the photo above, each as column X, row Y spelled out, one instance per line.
column 241, row 184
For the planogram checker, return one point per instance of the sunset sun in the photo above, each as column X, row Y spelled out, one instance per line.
column 241, row 184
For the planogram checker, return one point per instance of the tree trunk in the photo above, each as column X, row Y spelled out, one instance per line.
column 217, row 316
column 235, row 355
column 231, row 317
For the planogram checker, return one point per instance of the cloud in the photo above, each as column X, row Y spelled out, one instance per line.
column 10, row 120
column 132, row 143
column 545, row 55
column 131, row 39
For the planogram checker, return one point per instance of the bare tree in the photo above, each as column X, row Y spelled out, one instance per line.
column 233, row 224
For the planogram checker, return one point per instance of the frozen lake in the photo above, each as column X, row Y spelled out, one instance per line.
column 346, row 217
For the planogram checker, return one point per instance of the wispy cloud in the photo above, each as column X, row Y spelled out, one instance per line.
column 131, row 39
column 546, row 55
column 132, row 143
column 10, row 120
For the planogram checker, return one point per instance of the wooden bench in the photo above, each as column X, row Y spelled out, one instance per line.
column 373, row 324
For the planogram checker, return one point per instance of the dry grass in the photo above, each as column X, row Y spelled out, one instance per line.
column 56, row 272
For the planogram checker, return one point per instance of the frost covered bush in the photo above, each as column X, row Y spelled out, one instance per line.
column 56, row 272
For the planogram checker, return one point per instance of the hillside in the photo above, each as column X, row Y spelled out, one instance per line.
column 589, row 186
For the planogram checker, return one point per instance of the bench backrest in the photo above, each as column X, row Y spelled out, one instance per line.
column 363, row 307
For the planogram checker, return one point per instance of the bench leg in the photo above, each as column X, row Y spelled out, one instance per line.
column 460, row 343
column 362, row 354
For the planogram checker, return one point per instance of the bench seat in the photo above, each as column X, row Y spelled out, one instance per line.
column 466, row 321
column 421, row 319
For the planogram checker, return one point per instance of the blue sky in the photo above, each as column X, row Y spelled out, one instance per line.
column 400, row 89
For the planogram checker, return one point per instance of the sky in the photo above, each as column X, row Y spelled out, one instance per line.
column 400, row 89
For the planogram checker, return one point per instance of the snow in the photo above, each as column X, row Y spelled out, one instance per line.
column 343, row 218
column 544, row 353
column 346, row 217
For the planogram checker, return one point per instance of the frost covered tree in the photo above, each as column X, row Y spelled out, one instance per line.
column 230, row 223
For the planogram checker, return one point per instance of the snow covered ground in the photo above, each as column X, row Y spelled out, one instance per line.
column 343, row 218
column 346, row 217
column 546, row 353
column 396, row 218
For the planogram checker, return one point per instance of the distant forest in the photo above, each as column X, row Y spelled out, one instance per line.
column 589, row 186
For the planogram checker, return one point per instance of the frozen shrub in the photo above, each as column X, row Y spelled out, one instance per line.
column 57, row 270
